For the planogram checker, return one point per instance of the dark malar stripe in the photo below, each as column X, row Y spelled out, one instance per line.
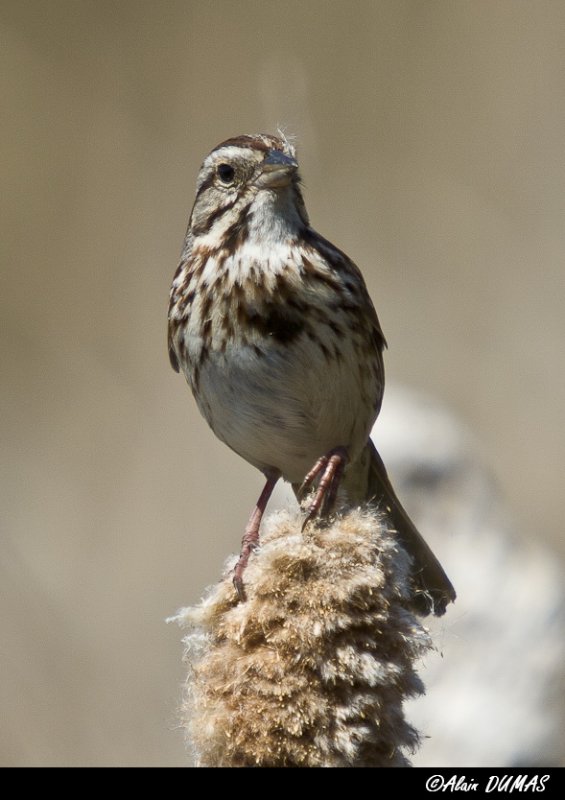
column 236, row 234
column 205, row 226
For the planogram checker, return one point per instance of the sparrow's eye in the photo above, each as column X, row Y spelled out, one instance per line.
column 226, row 173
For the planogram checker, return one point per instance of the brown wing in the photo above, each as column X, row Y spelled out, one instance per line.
column 347, row 280
column 174, row 298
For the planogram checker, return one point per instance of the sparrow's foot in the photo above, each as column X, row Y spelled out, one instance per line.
column 330, row 469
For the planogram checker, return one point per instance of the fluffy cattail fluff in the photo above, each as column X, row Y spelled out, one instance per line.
column 313, row 668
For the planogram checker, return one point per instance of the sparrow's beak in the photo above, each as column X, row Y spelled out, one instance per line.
column 277, row 170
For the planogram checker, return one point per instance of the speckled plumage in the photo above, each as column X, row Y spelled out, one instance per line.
column 274, row 329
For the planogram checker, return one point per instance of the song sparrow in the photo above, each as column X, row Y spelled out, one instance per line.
column 277, row 336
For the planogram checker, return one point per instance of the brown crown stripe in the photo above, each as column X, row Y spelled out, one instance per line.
column 254, row 142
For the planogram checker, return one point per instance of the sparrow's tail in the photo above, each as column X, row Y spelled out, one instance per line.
column 433, row 589
column 365, row 481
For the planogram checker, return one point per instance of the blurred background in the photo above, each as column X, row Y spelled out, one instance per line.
column 431, row 138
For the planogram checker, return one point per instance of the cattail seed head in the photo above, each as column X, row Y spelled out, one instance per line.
column 313, row 668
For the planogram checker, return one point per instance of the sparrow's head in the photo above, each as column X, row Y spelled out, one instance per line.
column 250, row 181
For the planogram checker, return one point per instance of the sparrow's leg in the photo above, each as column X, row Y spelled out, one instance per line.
column 251, row 535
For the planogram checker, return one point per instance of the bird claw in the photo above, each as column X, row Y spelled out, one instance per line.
column 249, row 545
column 320, row 464
column 239, row 587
